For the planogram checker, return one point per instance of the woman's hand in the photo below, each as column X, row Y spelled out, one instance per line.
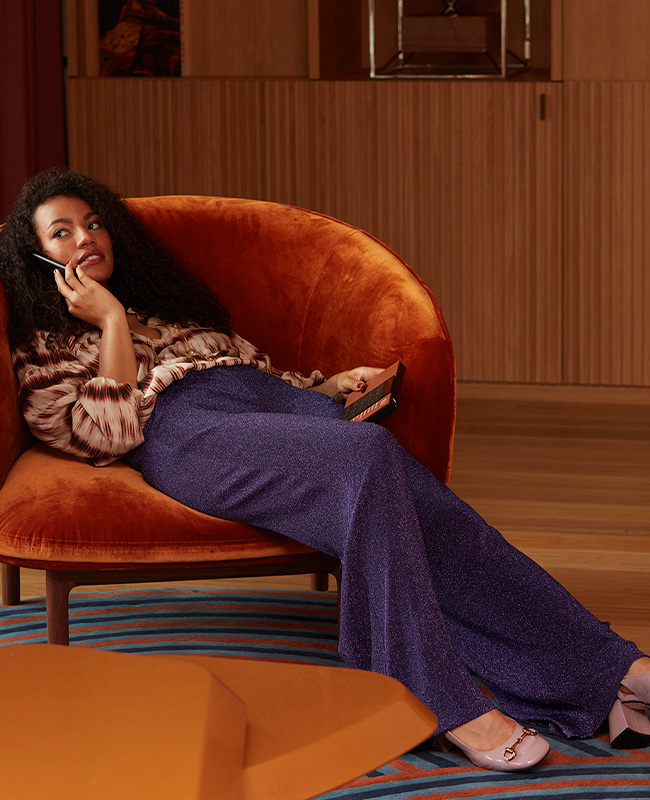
column 87, row 299
column 339, row 386
column 91, row 302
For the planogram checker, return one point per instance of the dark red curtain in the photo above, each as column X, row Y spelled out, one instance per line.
column 32, row 104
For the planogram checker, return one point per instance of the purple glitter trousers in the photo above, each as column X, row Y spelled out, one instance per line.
column 429, row 590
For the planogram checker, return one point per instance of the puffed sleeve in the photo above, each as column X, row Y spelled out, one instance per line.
column 69, row 408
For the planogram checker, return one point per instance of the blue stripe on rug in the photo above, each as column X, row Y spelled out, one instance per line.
column 303, row 627
column 578, row 747
column 488, row 784
column 425, row 789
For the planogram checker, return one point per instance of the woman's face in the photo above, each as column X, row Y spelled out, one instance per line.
column 69, row 230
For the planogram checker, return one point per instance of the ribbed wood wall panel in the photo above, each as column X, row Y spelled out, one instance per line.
column 604, row 41
column 607, row 223
column 149, row 137
column 463, row 180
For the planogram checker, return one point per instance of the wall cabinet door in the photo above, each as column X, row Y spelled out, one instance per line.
column 607, row 233
column 485, row 199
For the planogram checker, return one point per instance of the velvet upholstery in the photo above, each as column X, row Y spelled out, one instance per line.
column 14, row 435
column 312, row 292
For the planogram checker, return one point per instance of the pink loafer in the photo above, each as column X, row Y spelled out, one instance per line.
column 522, row 750
column 629, row 727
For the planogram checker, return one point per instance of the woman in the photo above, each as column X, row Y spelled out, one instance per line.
column 114, row 363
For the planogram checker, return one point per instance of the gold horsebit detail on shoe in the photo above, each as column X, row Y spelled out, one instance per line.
column 510, row 752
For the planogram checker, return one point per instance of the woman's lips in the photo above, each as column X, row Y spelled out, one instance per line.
column 91, row 257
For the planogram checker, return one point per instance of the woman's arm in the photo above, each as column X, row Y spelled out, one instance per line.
column 93, row 303
column 116, row 353
column 89, row 409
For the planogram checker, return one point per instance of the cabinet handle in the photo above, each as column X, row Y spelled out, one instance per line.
column 542, row 106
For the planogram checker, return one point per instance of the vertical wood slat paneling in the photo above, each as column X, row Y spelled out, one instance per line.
column 443, row 175
column 607, row 174
column 148, row 137
column 462, row 180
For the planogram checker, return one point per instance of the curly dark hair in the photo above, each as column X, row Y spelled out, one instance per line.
column 149, row 286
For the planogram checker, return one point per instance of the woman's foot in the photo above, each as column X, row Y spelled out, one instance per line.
column 494, row 741
column 629, row 726
column 640, row 667
column 634, row 690
column 485, row 732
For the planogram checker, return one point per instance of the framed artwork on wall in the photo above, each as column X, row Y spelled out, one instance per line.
column 139, row 38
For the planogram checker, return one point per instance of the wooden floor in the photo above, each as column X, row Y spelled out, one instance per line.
column 565, row 475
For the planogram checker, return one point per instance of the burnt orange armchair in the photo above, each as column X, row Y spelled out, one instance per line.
column 311, row 291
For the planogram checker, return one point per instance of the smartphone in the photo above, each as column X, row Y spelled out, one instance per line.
column 47, row 263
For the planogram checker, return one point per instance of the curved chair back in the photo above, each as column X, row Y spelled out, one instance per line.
column 316, row 293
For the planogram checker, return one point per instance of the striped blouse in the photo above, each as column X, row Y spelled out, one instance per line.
column 70, row 408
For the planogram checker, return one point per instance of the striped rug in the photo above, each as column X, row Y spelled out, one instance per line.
column 302, row 627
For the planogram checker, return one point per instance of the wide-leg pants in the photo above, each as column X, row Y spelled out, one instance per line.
column 429, row 592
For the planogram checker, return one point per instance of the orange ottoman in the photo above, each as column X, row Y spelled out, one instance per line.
column 103, row 725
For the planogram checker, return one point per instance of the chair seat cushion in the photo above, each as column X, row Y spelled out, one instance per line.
column 54, row 507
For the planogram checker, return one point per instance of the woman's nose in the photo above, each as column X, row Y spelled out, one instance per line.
column 85, row 237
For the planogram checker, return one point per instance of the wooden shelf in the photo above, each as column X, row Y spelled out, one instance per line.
column 317, row 39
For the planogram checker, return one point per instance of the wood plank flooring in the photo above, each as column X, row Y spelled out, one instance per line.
column 567, row 481
column 565, row 476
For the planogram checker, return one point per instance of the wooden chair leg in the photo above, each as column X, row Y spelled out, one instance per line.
column 57, row 591
column 10, row 576
column 320, row 581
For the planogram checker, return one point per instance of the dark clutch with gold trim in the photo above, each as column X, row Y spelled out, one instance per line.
column 378, row 398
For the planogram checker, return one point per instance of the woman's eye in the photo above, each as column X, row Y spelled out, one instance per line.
column 95, row 224
column 58, row 233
